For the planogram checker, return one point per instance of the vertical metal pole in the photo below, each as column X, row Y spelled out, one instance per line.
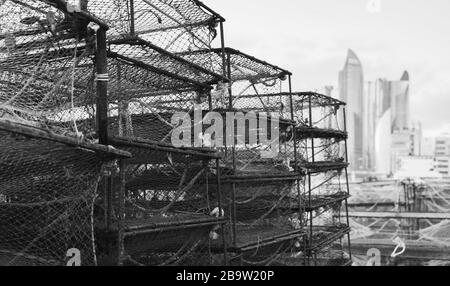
column 309, row 174
column 230, row 89
column 234, row 213
column 291, row 103
column 222, row 44
column 301, row 208
column 132, row 20
column 311, row 125
column 219, row 199
column 102, row 87
column 348, row 185
column 120, row 210
column 109, row 198
column 210, row 103
column 104, row 185
column 234, row 219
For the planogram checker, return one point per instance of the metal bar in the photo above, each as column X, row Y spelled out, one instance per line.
column 158, row 70
column 296, row 161
column 395, row 215
column 237, row 52
column 311, row 242
column 234, row 214
column 223, row 54
column 219, row 198
column 121, row 210
column 347, row 182
column 215, row 14
column 123, row 143
column 132, row 20
column 139, row 41
column 109, row 199
column 13, row 127
column 102, row 87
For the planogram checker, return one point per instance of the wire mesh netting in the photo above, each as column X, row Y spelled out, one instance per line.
column 320, row 139
column 250, row 78
column 162, row 206
column 324, row 194
column 46, row 67
column 330, row 256
column 260, row 186
column 325, row 112
column 148, row 87
column 47, row 193
column 176, row 26
column 169, row 214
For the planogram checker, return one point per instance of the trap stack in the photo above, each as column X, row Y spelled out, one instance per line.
column 259, row 181
column 92, row 101
column 49, row 169
column 321, row 139
column 161, row 209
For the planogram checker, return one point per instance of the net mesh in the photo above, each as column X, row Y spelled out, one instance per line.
column 321, row 157
column 47, row 193
column 428, row 196
column 176, row 25
column 160, row 63
column 260, row 191
column 169, row 214
column 46, row 67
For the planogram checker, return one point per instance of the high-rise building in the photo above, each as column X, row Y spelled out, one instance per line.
column 394, row 136
column 383, row 127
column 351, row 86
column 401, row 103
column 378, row 120
column 370, row 124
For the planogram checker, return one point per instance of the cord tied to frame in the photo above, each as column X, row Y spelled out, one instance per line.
column 104, row 77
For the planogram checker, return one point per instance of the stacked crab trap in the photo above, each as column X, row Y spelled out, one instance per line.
column 260, row 184
column 321, row 140
column 49, row 170
column 127, row 139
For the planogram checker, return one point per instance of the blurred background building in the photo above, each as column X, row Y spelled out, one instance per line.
column 351, row 87
column 383, row 133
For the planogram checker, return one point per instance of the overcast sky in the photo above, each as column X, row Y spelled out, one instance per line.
column 311, row 38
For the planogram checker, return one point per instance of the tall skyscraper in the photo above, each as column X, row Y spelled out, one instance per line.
column 383, row 127
column 401, row 109
column 370, row 124
column 351, row 86
column 395, row 136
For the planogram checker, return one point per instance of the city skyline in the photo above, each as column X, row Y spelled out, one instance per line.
column 383, row 41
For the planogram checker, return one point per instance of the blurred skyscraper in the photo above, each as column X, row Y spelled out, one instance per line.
column 351, row 87
column 382, row 140
column 378, row 120
column 400, row 95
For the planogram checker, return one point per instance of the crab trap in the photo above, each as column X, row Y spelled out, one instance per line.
column 47, row 66
column 321, row 140
column 48, row 188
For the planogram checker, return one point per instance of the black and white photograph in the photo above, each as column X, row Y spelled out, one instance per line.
column 240, row 135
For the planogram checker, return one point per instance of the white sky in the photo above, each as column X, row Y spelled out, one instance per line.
column 311, row 38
